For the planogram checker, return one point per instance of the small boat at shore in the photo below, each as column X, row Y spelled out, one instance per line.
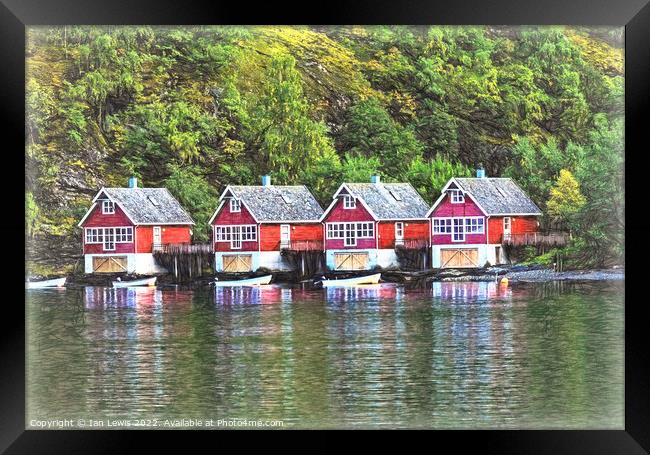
column 53, row 283
column 127, row 284
column 257, row 281
column 368, row 279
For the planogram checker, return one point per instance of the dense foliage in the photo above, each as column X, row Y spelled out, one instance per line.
column 197, row 108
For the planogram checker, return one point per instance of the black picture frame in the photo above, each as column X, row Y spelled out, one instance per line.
column 15, row 15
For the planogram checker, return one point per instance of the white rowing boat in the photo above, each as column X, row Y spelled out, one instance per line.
column 54, row 283
column 369, row 279
column 257, row 281
column 127, row 284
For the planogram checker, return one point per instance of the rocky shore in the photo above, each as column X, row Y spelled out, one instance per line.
column 516, row 273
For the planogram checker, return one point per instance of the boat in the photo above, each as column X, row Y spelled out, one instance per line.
column 256, row 281
column 368, row 279
column 54, row 283
column 127, row 284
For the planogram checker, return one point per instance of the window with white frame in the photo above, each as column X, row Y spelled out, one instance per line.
column 458, row 233
column 349, row 202
column 474, row 225
column 235, row 205
column 109, row 235
column 108, row 207
column 246, row 233
column 456, row 196
column 351, row 230
column 442, row 225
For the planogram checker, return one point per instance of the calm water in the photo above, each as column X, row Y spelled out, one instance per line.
column 459, row 355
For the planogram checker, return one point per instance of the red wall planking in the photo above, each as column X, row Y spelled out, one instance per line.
column 270, row 234
column 97, row 218
column 518, row 225
column 413, row 230
column 447, row 209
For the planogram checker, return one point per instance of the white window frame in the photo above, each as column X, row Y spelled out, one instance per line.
column 236, row 238
column 98, row 235
column 509, row 225
column 399, row 231
column 456, row 197
column 235, row 205
column 226, row 233
column 349, row 202
column 442, row 226
column 458, row 230
column 474, row 225
column 360, row 230
column 108, row 207
column 287, row 228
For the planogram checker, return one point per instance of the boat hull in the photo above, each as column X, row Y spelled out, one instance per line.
column 369, row 279
column 129, row 284
column 258, row 281
column 55, row 283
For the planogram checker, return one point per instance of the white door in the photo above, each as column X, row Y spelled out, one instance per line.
column 285, row 235
column 157, row 237
column 399, row 233
column 506, row 225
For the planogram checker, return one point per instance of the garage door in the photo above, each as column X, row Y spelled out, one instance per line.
column 351, row 261
column 109, row 264
column 459, row 257
column 237, row 263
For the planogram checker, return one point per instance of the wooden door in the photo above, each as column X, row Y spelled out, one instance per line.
column 351, row 261
column 237, row 263
column 459, row 257
column 109, row 264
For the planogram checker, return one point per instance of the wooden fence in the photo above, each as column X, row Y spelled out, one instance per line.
column 184, row 260
column 536, row 238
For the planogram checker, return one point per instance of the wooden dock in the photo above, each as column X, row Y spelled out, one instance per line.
column 184, row 260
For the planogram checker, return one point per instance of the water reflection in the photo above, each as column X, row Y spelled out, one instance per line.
column 475, row 291
column 458, row 355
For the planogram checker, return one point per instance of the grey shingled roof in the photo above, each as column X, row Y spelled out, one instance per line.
column 378, row 197
column 138, row 206
column 511, row 200
column 266, row 203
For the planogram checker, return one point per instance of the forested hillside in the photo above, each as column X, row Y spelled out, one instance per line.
column 197, row 108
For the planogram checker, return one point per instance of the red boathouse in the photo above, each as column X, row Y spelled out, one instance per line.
column 125, row 225
column 473, row 217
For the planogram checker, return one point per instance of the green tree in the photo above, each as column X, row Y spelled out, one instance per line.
column 195, row 194
column 371, row 132
column 565, row 197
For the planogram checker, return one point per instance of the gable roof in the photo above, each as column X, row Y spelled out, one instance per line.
column 145, row 205
column 495, row 196
column 275, row 202
column 387, row 201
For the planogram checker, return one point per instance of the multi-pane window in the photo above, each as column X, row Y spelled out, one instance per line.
column 458, row 233
column 459, row 227
column 350, row 230
column 108, row 207
column 457, row 196
column 235, row 205
column 349, row 202
column 109, row 236
column 442, row 225
column 244, row 233
column 474, row 225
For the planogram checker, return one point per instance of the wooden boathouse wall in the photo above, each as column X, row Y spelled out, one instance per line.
column 186, row 261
